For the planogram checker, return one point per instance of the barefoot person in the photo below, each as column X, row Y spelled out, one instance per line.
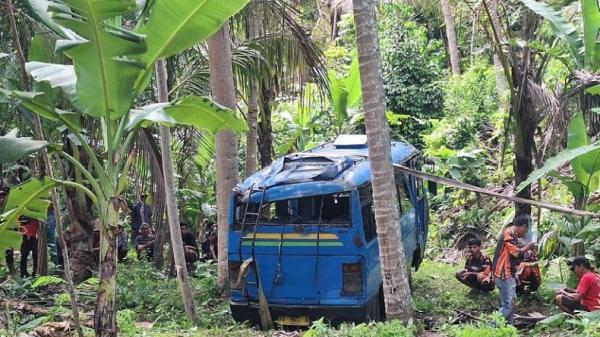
column 506, row 260
column 587, row 295
column 476, row 273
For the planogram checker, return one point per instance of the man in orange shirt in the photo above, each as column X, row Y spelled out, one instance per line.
column 587, row 295
column 506, row 260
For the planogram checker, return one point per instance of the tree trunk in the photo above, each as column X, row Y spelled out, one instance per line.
column 398, row 301
column 501, row 84
column 451, row 35
column 252, row 134
column 223, row 91
column 171, row 198
column 265, row 128
column 42, row 258
column 105, row 322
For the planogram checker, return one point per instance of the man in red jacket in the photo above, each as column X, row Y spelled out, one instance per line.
column 29, row 229
column 587, row 295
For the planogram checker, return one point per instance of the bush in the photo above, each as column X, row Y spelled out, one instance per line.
column 413, row 66
column 469, row 102
column 487, row 326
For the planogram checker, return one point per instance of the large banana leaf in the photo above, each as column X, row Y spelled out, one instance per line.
column 586, row 166
column 38, row 103
column 345, row 92
column 174, row 26
column 591, row 27
column 31, row 199
column 557, row 161
column 199, row 112
column 102, row 54
column 58, row 76
column 13, row 148
column 563, row 29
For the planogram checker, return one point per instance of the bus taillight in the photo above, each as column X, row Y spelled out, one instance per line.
column 234, row 272
column 352, row 277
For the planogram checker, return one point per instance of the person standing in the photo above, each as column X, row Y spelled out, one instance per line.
column 29, row 229
column 587, row 295
column 141, row 213
column 506, row 260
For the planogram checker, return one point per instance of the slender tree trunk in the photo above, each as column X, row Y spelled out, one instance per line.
column 265, row 128
column 451, row 35
column 171, row 198
column 501, row 83
column 105, row 314
column 65, row 254
column 252, row 116
column 398, row 301
column 252, row 134
column 42, row 258
column 223, row 91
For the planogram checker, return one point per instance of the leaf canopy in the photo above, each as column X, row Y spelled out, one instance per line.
column 102, row 54
column 13, row 148
column 563, row 29
column 199, row 112
column 174, row 26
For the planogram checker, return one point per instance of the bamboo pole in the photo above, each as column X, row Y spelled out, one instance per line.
column 468, row 187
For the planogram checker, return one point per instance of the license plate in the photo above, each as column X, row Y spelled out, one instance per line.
column 293, row 320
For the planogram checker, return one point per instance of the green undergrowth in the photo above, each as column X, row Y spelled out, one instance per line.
column 438, row 295
column 147, row 295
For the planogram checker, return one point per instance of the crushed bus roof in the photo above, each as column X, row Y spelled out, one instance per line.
column 329, row 168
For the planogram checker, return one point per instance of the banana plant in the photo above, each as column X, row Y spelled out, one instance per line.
column 111, row 66
column 345, row 94
column 582, row 42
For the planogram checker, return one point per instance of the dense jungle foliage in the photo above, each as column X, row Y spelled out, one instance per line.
column 102, row 101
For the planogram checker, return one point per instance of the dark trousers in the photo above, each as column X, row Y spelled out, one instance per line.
column 28, row 245
column 10, row 260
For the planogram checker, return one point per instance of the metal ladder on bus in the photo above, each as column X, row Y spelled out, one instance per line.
column 257, row 214
column 266, row 321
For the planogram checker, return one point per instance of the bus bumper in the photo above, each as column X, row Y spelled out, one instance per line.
column 293, row 315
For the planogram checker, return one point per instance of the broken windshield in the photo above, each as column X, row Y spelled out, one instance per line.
column 319, row 209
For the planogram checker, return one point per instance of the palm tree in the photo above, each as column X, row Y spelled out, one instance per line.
column 398, row 301
column 221, row 80
column 451, row 35
column 171, row 198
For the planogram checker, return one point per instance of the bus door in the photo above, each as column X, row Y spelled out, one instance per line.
column 367, row 220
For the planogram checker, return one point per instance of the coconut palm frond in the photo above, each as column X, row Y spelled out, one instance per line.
column 291, row 50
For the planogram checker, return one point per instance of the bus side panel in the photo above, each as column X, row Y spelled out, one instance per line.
column 301, row 280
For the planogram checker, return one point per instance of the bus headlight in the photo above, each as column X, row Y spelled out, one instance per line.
column 352, row 275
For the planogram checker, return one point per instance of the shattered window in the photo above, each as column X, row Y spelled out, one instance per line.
column 304, row 210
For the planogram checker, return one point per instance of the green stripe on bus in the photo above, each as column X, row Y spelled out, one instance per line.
column 294, row 243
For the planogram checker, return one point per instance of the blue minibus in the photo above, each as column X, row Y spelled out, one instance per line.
column 302, row 235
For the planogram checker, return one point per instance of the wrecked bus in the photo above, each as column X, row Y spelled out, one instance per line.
column 302, row 235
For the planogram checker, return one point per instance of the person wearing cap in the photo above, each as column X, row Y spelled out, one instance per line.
column 140, row 213
column 144, row 243
column 29, row 229
column 507, row 258
column 587, row 295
